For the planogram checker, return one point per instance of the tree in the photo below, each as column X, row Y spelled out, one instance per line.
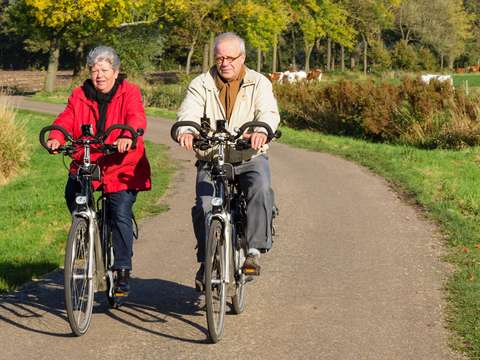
column 447, row 31
column 369, row 17
column 261, row 22
column 48, row 24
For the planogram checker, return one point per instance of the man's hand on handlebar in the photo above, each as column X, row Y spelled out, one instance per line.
column 53, row 144
column 186, row 140
column 123, row 144
column 257, row 139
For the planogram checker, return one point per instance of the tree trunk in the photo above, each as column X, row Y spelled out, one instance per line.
column 342, row 58
column 52, row 66
column 189, row 57
column 329, row 54
column 259, row 60
column 332, row 67
column 274, row 55
column 280, row 64
column 365, row 59
column 294, row 47
column 78, row 59
column 206, row 54
column 352, row 62
column 308, row 52
column 441, row 61
column 451, row 60
column 211, row 60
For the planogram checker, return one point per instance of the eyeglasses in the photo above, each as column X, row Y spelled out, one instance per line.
column 226, row 59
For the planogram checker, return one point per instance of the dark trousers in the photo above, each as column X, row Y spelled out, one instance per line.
column 119, row 207
column 255, row 181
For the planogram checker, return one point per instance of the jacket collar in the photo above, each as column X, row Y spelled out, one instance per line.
column 209, row 81
column 121, row 90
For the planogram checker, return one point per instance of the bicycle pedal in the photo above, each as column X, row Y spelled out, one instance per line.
column 251, row 271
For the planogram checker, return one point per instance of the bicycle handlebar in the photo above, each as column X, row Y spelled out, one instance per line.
column 204, row 133
column 69, row 148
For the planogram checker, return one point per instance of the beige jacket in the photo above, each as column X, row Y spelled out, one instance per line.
column 255, row 102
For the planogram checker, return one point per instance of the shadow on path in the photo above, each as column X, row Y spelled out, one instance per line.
column 152, row 301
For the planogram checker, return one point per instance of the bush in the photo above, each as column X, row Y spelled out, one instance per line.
column 426, row 60
column 14, row 148
column 404, row 56
column 427, row 116
column 379, row 56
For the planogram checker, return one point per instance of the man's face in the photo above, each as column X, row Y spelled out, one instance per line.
column 229, row 59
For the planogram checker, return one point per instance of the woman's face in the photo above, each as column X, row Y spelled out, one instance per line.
column 103, row 76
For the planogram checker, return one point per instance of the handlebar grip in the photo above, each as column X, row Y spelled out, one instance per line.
column 178, row 124
column 254, row 124
column 49, row 128
column 123, row 127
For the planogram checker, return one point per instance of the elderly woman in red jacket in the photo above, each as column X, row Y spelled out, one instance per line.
column 102, row 101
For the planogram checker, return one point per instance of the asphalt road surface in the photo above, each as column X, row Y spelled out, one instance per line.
column 355, row 273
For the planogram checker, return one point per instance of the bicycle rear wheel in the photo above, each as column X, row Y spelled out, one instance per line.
column 215, row 289
column 79, row 289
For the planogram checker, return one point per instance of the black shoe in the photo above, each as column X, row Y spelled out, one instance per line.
column 121, row 288
column 200, row 278
column 251, row 265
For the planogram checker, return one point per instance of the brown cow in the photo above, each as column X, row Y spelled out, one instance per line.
column 314, row 75
column 275, row 77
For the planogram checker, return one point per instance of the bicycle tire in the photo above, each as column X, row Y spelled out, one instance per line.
column 239, row 299
column 215, row 287
column 79, row 289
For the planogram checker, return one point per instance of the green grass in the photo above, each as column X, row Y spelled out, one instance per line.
column 447, row 185
column 473, row 79
column 60, row 96
column 33, row 217
column 169, row 114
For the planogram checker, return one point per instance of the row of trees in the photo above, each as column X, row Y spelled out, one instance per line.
column 282, row 32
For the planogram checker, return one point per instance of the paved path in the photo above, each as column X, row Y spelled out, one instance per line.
column 354, row 274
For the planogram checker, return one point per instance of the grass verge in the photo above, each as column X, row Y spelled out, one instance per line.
column 33, row 217
column 446, row 184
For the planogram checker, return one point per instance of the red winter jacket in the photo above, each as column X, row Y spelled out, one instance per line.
column 127, row 171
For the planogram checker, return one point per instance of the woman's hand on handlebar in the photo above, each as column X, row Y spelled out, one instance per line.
column 123, row 144
column 257, row 139
column 186, row 141
column 53, row 144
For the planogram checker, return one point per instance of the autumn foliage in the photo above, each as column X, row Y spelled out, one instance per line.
column 428, row 116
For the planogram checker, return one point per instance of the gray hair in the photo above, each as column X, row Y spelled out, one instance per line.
column 230, row 36
column 103, row 53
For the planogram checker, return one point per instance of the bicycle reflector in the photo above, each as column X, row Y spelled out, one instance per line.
column 81, row 200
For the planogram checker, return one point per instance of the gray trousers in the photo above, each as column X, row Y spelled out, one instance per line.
column 255, row 181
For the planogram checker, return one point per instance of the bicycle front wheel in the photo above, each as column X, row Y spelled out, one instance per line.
column 79, row 289
column 215, row 290
column 238, row 300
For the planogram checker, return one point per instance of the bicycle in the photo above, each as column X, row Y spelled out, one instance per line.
column 226, row 245
column 89, row 250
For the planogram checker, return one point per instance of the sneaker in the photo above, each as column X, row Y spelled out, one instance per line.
column 121, row 288
column 251, row 265
column 200, row 278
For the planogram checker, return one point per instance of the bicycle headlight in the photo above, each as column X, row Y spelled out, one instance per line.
column 216, row 201
column 81, row 200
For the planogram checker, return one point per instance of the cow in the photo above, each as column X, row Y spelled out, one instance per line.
column 275, row 76
column 441, row 78
column 314, row 75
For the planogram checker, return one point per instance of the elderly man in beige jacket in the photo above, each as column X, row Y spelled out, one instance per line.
column 237, row 94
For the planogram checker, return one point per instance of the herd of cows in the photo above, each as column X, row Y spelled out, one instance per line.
column 291, row 76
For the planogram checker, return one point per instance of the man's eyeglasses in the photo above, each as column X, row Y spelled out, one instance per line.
column 226, row 59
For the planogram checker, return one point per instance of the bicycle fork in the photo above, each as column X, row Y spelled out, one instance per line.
column 227, row 248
